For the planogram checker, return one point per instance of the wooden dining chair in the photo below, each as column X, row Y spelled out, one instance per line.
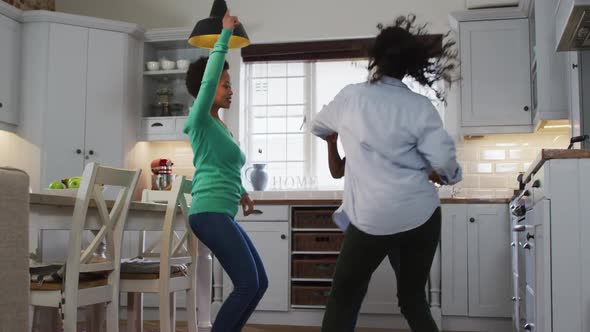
column 167, row 266
column 83, row 281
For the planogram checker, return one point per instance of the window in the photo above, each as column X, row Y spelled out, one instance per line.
column 281, row 99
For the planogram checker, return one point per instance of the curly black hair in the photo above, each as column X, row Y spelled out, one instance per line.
column 194, row 75
column 401, row 49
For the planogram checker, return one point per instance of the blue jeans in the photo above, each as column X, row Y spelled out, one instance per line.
column 237, row 255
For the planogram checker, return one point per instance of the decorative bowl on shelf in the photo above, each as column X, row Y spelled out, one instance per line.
column 167, row 64
column 152, row 65
column 182, row 64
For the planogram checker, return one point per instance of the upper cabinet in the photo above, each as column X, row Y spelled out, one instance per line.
column 548, row 76
column 10, row 39
column 80, row 87
column 495, row 74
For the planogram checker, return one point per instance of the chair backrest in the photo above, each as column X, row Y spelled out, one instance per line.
column 172, row 248
column 110, row 223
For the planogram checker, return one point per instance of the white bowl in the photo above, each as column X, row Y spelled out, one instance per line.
column 167, row 64
column 182, row 64
column 152, row 65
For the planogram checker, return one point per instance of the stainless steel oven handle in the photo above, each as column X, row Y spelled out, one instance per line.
column 519, row 228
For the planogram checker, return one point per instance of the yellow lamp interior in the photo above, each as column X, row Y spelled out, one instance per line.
column 208, row 41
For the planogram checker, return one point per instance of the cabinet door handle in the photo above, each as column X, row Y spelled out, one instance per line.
column 283, row 236
column 471, row 220
column 537, row 184
column 574, row 65
column 527, row 246
column 513, row 244
column 526, row 108
column 91, row 152
column 78, row 151
column 529, row 236
column 529, row 326
column 1, row 105
column 157, row 124
column 514, row 299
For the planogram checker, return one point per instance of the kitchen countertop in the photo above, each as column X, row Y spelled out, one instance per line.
column 549, row 154
column 57, row 200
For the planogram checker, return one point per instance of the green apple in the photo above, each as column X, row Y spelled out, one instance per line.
column 74, row 182
column 56, row 185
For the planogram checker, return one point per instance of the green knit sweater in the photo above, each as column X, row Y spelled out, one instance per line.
column 217, row 183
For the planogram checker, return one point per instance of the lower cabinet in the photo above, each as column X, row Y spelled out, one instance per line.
column 475, row 253
column 271, row 240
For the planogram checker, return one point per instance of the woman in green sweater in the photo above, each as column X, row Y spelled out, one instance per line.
column 217, row 185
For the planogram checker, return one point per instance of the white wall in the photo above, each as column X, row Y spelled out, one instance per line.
column 273, row 20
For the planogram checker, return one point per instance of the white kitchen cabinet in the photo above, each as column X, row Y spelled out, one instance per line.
column 454, row 260
column 80, row 87
column 10, row 39
column 548, row 78
column 488, row 234
column 271, row 239
column 475, row 244
column 495, row 76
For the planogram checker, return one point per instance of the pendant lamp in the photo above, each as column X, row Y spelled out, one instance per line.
column 207, row 31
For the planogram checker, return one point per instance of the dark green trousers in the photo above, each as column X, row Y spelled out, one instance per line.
column 410, row 253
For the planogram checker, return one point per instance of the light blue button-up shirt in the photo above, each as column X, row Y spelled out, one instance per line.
column 392, row 138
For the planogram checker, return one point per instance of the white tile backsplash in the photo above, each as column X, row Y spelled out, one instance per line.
column 490, row 163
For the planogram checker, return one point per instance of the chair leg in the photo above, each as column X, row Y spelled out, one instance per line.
column 191, row 310
column 134, row 312
column 165, row 309
column 112, row 316
column 172, row 312
column 70, row 323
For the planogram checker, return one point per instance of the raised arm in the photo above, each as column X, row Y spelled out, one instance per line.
column 202, row 105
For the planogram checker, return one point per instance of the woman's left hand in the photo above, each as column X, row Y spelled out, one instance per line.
column 247, row 204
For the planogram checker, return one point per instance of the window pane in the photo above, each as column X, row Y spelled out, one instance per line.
column 275, row 111
column 295, row 124
column 257, row 148
column 258, row 112
column 259, row 69
column 295, row 69
column 296, row 91
column 259, row 92
column 295, row 146
column 276, row 175
column 296, row 110
column 277, row 91
column 296, row 169
column 259, row 126
column 277, row 125
column 276, row 147
column 277, row 69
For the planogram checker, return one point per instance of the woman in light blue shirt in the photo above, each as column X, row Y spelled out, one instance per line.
column 395, row 144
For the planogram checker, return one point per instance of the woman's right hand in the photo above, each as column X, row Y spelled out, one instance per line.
column 333, row 139
column 230, row 22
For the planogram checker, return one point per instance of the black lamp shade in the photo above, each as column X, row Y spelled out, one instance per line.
column 207, row 31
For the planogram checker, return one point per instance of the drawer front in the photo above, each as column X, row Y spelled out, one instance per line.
column 318, row 241
column 316, row 218
column 158, row 126
column 314, row 268
column 269, row 213
column 310, row 295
